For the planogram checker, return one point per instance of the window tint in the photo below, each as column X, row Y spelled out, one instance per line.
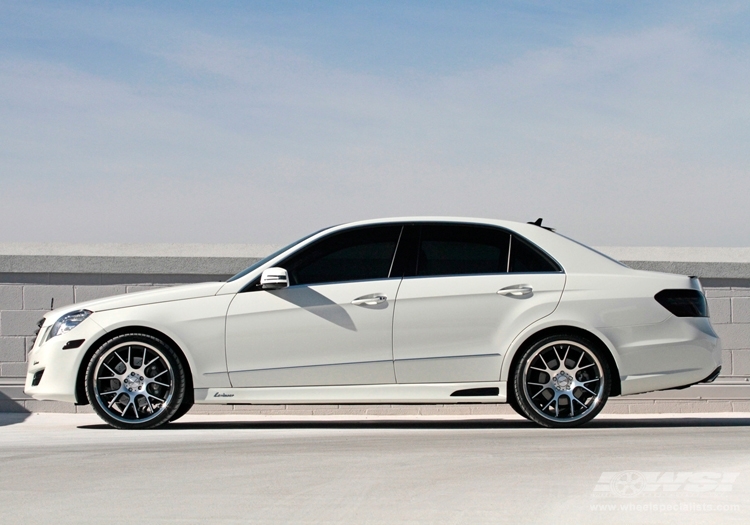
column 462, row 249
column 352, row 255
column 526, row 258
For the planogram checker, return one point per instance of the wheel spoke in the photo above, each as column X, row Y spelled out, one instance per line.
column 160, row 373
column 114, row 399
column 162, row 384
column 580, row 402
column 127, row 365
column 588, row 390
column 542, row 390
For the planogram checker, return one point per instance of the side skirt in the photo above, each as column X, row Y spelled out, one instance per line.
column 426, row 393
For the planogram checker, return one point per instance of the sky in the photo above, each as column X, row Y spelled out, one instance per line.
column 620, row 123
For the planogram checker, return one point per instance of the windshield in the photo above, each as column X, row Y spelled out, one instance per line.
column 264, row 260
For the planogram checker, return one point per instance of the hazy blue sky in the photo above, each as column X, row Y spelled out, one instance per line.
column 620, row 123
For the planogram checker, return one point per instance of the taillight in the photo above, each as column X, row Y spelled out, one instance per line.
column 683, row 303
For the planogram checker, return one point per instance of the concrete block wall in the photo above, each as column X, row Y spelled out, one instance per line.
column 26, row 296
column 730, row 316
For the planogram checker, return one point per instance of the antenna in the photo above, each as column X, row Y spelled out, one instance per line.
column 538, row 222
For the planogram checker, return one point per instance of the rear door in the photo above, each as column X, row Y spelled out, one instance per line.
column 465, row 288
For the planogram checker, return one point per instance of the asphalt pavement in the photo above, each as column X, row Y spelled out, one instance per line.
column 62, row 469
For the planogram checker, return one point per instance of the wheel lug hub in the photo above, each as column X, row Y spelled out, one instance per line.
column 133, row 382
column 562, row 381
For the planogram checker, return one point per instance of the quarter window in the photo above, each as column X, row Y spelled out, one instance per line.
column 527, row 258
column 352, row 255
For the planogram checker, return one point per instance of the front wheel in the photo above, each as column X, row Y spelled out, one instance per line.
column 562, row 381
column 135, row 381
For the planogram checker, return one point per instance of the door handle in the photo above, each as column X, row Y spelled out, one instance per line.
column 517, row 290
column 370, row 300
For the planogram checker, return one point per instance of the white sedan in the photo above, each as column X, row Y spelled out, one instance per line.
column 412, row 310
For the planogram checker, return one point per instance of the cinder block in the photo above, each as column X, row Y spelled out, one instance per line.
column 12, row 349
column 210, row 409
column 741, row 310
column 706, row 406
column 741, row 406
column 449, row 410
column 726, row 363
column 30, row 343
column 11, row 297
column 84, row 409
column 727, row 292
column 734, row 336
column 642, row 408
column 48, row 297
column 19, row 322
column 404, row 410
column 7, row 405
column 720, row 310
column 741, row 362
column 490, row 409
column 616, row 407
column 34, row 405
column 142, row 288
column 13, row 369
column 89, row 293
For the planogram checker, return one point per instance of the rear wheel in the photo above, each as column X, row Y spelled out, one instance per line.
column 562, row 381
column 135, row 381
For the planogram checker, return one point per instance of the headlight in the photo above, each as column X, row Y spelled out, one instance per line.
column 67, row 322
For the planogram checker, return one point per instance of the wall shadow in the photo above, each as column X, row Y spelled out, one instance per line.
column 11, row 412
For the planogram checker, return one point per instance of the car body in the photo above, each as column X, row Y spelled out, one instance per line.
column 400, row 310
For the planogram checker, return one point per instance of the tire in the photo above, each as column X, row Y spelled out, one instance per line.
column 135, row 381
column 562, row 381
column 513, row 402
column 185, row 407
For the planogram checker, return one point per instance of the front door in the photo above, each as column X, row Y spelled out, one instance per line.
column 332, row 326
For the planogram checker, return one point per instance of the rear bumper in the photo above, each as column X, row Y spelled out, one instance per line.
column 676, row 353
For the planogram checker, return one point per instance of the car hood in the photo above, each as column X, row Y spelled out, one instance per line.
column 160, row 295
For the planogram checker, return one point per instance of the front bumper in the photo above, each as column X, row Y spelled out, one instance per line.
column 56, row 370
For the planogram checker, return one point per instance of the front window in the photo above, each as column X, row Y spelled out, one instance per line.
column 352, row 255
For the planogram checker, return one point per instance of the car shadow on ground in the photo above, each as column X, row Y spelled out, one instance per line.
column 467, row 424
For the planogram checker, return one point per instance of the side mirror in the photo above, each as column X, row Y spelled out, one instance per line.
column 274, row 278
